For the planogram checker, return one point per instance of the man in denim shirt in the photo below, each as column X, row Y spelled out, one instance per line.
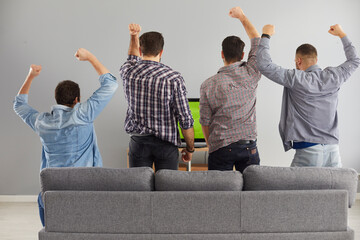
column 309, row 122
column 67, row 133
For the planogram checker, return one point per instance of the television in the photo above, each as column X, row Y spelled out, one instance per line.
column 199, row 139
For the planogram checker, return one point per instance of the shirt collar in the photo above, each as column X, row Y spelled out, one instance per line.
column 62, row 107
column 231, row 66
column 152, row 62
column 312, row 68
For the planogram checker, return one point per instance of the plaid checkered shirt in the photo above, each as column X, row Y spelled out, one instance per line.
column 156, row 97
column 227, row 102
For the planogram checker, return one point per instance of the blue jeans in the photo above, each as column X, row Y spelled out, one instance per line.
column 235, row 154
column 320, row 155
column 146, row 150
column 41, row 210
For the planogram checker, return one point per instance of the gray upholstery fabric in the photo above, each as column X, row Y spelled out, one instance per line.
column 94, row 212
column 97, row 179
column 348, row 235
column 294, row 211
column 258, row 178
column 196, row 212
column 170, row 180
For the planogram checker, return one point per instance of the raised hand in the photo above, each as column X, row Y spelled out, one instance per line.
column 134, row 29
column 83, row 55
column 337, row 30
column 34, row 70
column 237, row 12
column 269, row 29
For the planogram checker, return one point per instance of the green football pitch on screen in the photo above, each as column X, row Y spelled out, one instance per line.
column 194, row 105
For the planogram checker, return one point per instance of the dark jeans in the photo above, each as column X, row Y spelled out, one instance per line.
column 146, row 150
column 240, row 155
column 41, row 210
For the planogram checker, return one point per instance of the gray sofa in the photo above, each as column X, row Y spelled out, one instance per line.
column 263, row 203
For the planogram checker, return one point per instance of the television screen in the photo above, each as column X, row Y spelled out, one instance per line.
column 194, row 105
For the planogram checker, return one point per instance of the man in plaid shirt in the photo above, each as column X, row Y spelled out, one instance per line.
column 156, row 97
column 227, row 104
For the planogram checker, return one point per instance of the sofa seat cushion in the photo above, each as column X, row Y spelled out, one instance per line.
column 258, row 178
column 171, row 180
column 97, row 179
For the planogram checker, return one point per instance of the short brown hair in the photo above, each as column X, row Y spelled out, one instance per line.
column 307, row 50
column 66, row 92
column 233, row 48
column 151, row 43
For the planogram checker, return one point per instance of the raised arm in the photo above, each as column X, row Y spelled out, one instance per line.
column 84, row 55
column 21, row 106
column 134, row 48
column 89, row 110
column 352, row 59
column 238, row 13
column 282, row 76
column 33, row 72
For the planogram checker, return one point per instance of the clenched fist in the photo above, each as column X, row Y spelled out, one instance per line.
column 268, row 29
column 134, row 29
column 337, row 30
column 237, row 12
column 34, row 70
column 82, row 54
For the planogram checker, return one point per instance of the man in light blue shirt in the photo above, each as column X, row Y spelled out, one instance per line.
column 67, row 133
column 309, row 122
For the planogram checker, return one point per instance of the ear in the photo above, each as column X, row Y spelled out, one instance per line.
column 140, row 51
column 242, row 56
column 222, row 55
column 77, row 100
column 161, row 52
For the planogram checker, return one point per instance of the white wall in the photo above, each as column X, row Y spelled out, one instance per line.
column 49, row 32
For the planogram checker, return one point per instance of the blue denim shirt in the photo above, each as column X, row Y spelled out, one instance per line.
column 67, row 134
column 310, row 97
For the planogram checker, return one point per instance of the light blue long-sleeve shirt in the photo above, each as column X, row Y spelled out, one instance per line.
column 310, row 98
column 67, row 134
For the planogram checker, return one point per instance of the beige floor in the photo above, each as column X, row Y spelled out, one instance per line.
column 21, row 221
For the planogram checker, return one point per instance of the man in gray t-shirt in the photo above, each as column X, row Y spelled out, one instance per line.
column 309, row 122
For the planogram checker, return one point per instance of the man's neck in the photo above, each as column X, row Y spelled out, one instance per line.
column 228, row 63
column 152, row 58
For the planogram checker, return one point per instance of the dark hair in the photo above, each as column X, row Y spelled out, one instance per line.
column 66, row 92
column 307, row 50
column 151, row 43
column 233, row 48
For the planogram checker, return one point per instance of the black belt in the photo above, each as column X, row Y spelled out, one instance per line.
column 245, row 141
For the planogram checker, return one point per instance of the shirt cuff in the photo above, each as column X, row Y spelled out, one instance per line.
column 204, row 122
column 22, row 98
column 345, row 40
column 133, row 57
column 264, row 41
column 186, row 124
column 107, row 76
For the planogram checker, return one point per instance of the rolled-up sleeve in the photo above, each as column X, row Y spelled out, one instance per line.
column 130, row 62
column 87, row 112
column 352, row 60
column 252, row 63
column 183, row 112
column 205, row 110
column 24, row 111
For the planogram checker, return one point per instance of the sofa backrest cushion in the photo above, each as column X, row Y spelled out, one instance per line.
column 171, row 180
column 258, row 178
column 97, row 179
